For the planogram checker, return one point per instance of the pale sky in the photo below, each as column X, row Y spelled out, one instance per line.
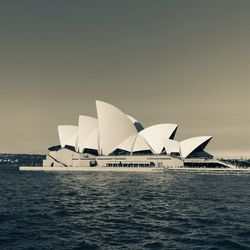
column 185, row 62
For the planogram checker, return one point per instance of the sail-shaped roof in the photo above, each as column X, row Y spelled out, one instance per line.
column 140, row 144
column 128, row 143
column 190, row 145
column 92, row 141
column 87, row 137
column 154, row 135
column 114, row 127
column 68, row 135
column 171, row 146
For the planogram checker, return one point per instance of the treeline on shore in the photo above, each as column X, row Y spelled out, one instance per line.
column 245, row 163
column 7, row 159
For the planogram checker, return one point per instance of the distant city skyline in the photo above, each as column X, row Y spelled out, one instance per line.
column 184, row 62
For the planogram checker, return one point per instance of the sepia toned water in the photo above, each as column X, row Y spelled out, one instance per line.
column 79, row 210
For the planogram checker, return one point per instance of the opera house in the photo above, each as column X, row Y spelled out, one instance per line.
column 116, row 140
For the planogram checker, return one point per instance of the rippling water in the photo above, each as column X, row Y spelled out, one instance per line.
column 124, row 210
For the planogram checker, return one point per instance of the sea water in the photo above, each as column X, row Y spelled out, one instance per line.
column 79, row 210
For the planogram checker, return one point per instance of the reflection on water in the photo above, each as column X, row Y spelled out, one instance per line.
column 123, row 210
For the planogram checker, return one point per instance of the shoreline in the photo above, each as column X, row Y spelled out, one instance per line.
column 124, row 169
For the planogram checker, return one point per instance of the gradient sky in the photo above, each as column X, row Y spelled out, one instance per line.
column 185, row 62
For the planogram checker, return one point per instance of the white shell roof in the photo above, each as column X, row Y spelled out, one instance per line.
column 68, row 135
column 86, row 138
column 92, row 141
column 189, row 145
column 114, row 127
column 171, row 146
column 154, row 135
column 127, row 144
column 140, row 144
